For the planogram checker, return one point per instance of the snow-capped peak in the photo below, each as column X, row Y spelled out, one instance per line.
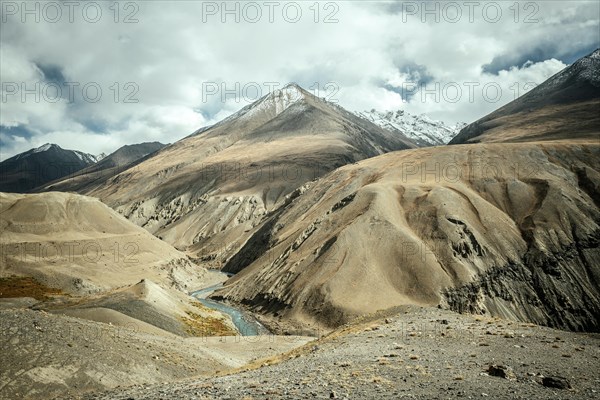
column 281, row 99
column 420, row 128
column 277, row 101
column 44, row 147
column 88, row 158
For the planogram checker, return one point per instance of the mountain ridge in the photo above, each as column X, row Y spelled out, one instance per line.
column 420, row 128
column 32, row 168
column 119, row 160
column 568, row 101
column 508, row 228
column 213, row 186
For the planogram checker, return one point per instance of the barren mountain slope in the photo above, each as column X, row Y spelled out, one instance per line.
column 78, row 244
column 205, row 192
column 96, row 174
column 505, row 229
column 566, row 106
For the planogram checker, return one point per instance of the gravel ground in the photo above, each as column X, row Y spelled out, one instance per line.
column 46, row 356
column 419, row 353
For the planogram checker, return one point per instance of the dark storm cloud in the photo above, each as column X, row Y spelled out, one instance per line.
column 52, row 73
column 417, row 76
column 95, row 125
column 18, row 131
column 513, row 59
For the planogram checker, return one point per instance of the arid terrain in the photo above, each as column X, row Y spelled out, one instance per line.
column 411, row 352
column 369, row 267
column 503, row 229
column 205, row 192
column 48, row 356
column 80, row 245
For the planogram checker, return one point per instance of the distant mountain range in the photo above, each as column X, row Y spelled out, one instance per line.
column 420, row 128
column 105, row 168
column 72, row 170
column 37, row 166
column 34, row 169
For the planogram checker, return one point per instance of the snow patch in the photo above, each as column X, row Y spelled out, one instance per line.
column 275, row 102
column 87, row 158
column 278, row 100
column 44, row 147
column 420, row 128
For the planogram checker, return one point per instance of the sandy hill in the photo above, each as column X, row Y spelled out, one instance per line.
column 86, row 179
column 565, row 107
column 35, row 167
column 78, row 244
column 149, row 307
column 205, row 192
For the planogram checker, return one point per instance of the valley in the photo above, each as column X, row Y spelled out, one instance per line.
column 296, row 249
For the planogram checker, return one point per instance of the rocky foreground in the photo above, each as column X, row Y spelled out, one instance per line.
column 46, row 356
column 413, row 352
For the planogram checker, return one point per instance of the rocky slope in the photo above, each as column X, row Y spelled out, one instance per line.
column 508, row 230
column 421, row 129
column 410, row 353
column 566, row 106
column 50, row 356
column 204, row 193
column 37, row 166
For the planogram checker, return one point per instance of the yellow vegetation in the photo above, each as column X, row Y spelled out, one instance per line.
column 198, row 325
column 24, row 286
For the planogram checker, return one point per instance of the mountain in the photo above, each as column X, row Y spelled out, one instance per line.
column 125, row 155
column 420, row 128
column 97, row 303
column 105, row 168
column 204, row 193
column 35, row 167
column 566, row 105
column 504, row 229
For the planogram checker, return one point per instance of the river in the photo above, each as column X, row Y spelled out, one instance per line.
column 244, row 322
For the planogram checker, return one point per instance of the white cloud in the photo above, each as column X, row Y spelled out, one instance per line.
column 479, row 95
column 171, row 52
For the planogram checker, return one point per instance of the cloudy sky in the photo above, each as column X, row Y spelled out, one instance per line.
column 95, row 75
